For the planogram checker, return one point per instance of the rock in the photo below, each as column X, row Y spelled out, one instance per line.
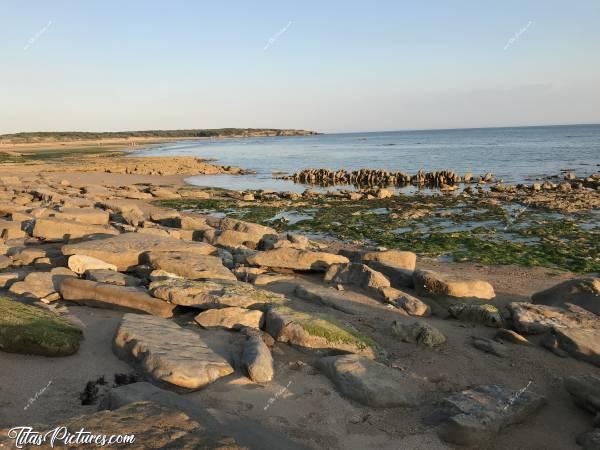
column 132, row 215
column 102, row 295
column 214, row 294
column 257, row 360
column 590, row 440
column 80, row 263
column 483, row 314
column 394, row 258
column 488, row 346
column 433, row 284
column 358, row 275
column 8, row 278
column 412, row 305
column 327, row 297
column 268, row 278
column 475, row 416
column 315, row 332
column 399, row 277
column 585, row 390
column 190, row 265
column 111, row 277
column 291, row 258
column 5, row 262
column 232, row 318
column 504, row 335
column 90, row 216
column 582, row 292
column 160, row 192
column 62, row 230
column 10, row 229
column 151, row 426
column 418, row 332
column 537, row 319
column 41, row 284
column 371, row 383
column 31, row 330
column 168, row 352
column 125, row 250
column 583, row 344
column 254, row 231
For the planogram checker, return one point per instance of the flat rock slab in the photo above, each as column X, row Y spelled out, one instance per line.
column 111, row 277
column 582, row 292
column 214, row 294
column 41, row 284
column 103, row 295
column 583, row 344
column 80, row 263
column 90, row 216
column 328, row 297
column 371, row 383
column 31, row 330
column 315, row 332
column 536, row 319
column 61, row 230
column 291, row 258
column 152, row 425
column 232, row 318
column 435, row 285
column 190, row 265
column 585, row 390
column 125, row 250
column 394, row 258
column 475, row 416
column 167, row 352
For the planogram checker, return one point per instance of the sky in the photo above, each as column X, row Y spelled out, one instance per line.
column 329, row 66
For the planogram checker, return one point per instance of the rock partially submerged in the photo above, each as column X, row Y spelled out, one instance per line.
column 315, row 332
column 167, row 352
column 475, row 416
column 31, row 330
column 125, row 250
column 371, row 383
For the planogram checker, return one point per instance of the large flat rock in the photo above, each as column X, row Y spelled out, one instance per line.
column 125, row 250
column 230, row 318
column 61, row 230
column 371, row 383
column 582, row 292
column 433, row 284
column 475, row 416
column 214, row 293
column 316, row 332
column 167, row 352
column 104, row 295
column 291, row 258
column 41, row 284
column 536, row 319
column 190, row 265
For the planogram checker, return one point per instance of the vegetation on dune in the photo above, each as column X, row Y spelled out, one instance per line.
column 31, row 330
column 55, row 155
column 458, row 228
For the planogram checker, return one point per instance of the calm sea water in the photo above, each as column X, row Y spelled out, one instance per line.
column 513, row 154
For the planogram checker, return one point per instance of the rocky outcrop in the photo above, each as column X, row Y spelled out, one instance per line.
column 295, row 259
column 232, row 318
column 358, row 275
column 103, row 295
column 582, row 292
column 167, row 352
column 62, row 230
column 125, row 250
column 432, row 284
column 190, row 265
column 371, row 383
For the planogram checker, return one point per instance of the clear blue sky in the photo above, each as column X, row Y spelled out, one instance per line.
column 339, row 65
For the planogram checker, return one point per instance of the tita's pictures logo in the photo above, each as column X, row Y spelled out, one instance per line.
column 26, row 436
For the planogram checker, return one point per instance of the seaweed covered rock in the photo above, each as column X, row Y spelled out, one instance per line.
column 31, row 330
column 418, row 332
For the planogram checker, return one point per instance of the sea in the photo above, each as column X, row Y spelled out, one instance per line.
column 515, row 154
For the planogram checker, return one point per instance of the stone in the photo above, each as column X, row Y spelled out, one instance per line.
column 483, row 314
column 254, row 230
column 418, row 332
column 582, row 292
column 111, row 277
column 475, row 416
column 583, row 344
column 589, row 440
column 125, row 250
column 214, row 294
column 90, row 216
column 295, row 259
column 8, row 278
column 190, row 265
column 398, row 276
column 62, row 230
column 409, row 303
column 315, row 332
column 10, row 229
column 41, row 284
column 80, row 263
column 327, row 297
column 31, row 330
column 488, row 346
column 102, row 295
column 394, row 258
column 257, row 360
column 585, row 391
column 433, row 284
column 371, row 383
column 358, row 275
column 145, row 425
column 167, row 352
column 5, row 262
column 232, row 318
column 537, row 319
column 504, row 335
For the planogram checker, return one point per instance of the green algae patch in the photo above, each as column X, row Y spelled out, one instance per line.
column 333, row 331
column 31, row 330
